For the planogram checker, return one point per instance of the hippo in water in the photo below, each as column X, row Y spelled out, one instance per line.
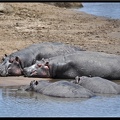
column 14, row 63
column 61, row 88
column 97, row 85
column 80, row 63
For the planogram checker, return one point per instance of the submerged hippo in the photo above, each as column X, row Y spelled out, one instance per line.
column 97, row 85
column 14, row 63
column 80, row 63
column 61, row 88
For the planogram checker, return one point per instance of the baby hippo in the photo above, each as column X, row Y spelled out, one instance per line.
column 97, row 85
column 60, row 88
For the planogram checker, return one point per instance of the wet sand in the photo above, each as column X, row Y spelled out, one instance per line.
column 22, row 24
column 16, row 81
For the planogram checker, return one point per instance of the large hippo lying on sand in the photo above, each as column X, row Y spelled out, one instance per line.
column 59, row 89
column 14, row 63
column 81, row 63
column 97, row 85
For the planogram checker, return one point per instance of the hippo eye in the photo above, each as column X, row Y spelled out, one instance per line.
column 10, row 61
column 36, row 82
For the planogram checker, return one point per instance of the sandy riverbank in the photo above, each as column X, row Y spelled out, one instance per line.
column 22, row 24
column 16, row 81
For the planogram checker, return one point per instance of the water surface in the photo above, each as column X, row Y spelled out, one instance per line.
column 14, row 103
column 105, row 9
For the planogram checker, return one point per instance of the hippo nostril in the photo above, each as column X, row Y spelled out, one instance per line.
column 33, row 73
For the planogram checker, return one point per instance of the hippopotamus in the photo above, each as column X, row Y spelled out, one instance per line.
column 60, row 88
column 14, row 63
column 80, row 63
column 98, row 85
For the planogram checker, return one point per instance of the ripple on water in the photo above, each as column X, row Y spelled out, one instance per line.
column 29, row 104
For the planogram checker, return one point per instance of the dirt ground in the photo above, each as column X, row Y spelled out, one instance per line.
column 22, row 24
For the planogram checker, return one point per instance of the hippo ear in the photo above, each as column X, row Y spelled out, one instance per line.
column 5, row 55
column 47, row 63
column 77, row 78
column 31, row 83
column 36, row 82
column 19, row 61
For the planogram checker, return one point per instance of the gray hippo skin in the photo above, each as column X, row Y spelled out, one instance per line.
column 80, row 63
column 14, row 63
column 97, row 85
column 61, row 88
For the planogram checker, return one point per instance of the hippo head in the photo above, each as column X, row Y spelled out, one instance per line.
column 37, row 86
column 10, row 66
column 39, row 69
column 32, row 86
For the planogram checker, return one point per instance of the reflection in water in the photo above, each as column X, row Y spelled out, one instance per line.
column 14, row 92
column 18, row 103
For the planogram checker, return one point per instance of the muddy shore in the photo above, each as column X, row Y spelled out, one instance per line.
column 22, row 24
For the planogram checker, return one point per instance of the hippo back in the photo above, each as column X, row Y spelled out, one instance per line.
column 66, row 89
column 99, row 85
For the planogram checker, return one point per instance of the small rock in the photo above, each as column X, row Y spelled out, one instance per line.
column 5, row 8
